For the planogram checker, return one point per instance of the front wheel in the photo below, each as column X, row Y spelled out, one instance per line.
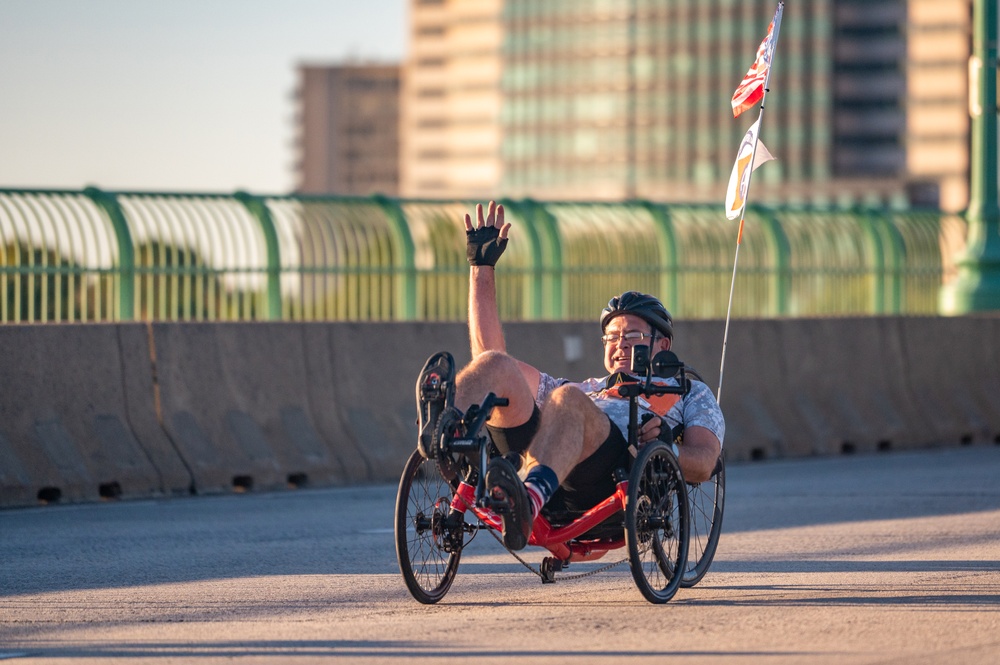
column 656, row 523
column 429, row 535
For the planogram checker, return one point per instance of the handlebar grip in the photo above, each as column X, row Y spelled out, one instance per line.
column 501, row 401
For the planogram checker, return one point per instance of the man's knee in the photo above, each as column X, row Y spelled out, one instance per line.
column 568, row 404
column 493, row 362
column 572, row 400
column 492, row 370
column 499, row 373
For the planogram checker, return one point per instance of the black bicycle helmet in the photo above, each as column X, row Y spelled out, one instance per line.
column 646, row 307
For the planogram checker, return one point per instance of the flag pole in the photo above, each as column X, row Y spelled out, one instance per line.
column 739, row 236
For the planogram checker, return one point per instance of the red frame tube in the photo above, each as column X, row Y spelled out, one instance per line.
column 560, row 541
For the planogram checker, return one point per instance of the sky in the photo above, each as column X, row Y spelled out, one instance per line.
column 170, row 95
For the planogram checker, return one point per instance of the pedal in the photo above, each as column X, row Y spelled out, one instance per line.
column 431, row 386
column 500, row 506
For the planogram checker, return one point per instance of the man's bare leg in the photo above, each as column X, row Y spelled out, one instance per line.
column 496, row 372
column 571, row 430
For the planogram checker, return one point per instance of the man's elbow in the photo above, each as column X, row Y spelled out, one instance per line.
column 700, row 453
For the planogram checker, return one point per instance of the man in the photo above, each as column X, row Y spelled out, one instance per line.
column 572, row 435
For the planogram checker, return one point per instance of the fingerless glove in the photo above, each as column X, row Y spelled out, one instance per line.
column 484, row 246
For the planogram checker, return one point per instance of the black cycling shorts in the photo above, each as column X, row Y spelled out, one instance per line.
column 515, row 439
column 590, row 482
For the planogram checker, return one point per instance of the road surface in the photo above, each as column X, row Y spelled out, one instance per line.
column 891, row 558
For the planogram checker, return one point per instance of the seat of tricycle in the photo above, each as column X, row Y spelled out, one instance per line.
column 559, row 514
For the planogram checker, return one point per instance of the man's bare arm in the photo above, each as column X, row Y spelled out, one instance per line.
column 698, row 453
column 485, row 327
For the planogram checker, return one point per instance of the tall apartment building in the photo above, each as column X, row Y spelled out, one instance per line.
column 348, row 120
column 937, row 122
column 613, row 99
column 450, row 129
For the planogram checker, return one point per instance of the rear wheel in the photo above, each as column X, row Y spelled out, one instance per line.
column 707, row 501
column 429, row 535
column 656, row 523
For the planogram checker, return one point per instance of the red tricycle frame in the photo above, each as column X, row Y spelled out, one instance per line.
column 660, row 515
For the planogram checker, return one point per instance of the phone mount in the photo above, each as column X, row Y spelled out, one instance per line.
column 665, row 365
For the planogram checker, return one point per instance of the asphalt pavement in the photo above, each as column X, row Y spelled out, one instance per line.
column 889, row 558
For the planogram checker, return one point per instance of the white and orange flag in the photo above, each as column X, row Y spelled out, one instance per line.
column 739, row 179
column 751, row 88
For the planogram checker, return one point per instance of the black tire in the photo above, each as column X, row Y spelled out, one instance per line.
column 707, row 502
column 428, row 539
column 656, row 522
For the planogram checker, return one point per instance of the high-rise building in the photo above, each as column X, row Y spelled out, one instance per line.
column 937, row 121
column 614, row 99
column 348, row 123
column 607, row 99
column 450, row 129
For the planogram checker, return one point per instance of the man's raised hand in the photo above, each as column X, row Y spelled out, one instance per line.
column 487, row 240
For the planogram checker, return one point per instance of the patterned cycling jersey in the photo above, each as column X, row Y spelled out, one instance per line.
column 697, row 408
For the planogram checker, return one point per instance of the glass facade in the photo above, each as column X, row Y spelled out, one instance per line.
column 631, row 98
column 619, row 99
column 626, row 98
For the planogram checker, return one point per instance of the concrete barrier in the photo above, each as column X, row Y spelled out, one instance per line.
column 763, row 418
column 373, row 370
column 321, row 388
column 64, row 425
column 953, row 374
column 234, row 400
column 570, row 350
column 142, row 407
column 845, row 377
column 104, row 411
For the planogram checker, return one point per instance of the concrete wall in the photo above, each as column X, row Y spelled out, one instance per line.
column 105, row 411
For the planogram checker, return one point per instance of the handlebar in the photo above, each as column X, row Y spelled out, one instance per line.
column 638, row 389
column 664, row 364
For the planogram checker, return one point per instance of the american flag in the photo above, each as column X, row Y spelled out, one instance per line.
column 751, row 89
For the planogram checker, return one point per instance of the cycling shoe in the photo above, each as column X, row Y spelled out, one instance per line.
column 509, row 499
column 435, row 394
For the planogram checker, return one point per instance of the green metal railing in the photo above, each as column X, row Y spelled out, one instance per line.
column 92, row 255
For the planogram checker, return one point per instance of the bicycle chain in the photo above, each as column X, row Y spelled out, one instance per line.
column 537, row 571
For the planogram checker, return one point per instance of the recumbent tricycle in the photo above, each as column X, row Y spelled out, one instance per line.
column 670, row 528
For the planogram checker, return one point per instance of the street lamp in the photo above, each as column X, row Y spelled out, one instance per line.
column 977, row 287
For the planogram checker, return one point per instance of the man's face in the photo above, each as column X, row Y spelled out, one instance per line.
column 618, row 354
